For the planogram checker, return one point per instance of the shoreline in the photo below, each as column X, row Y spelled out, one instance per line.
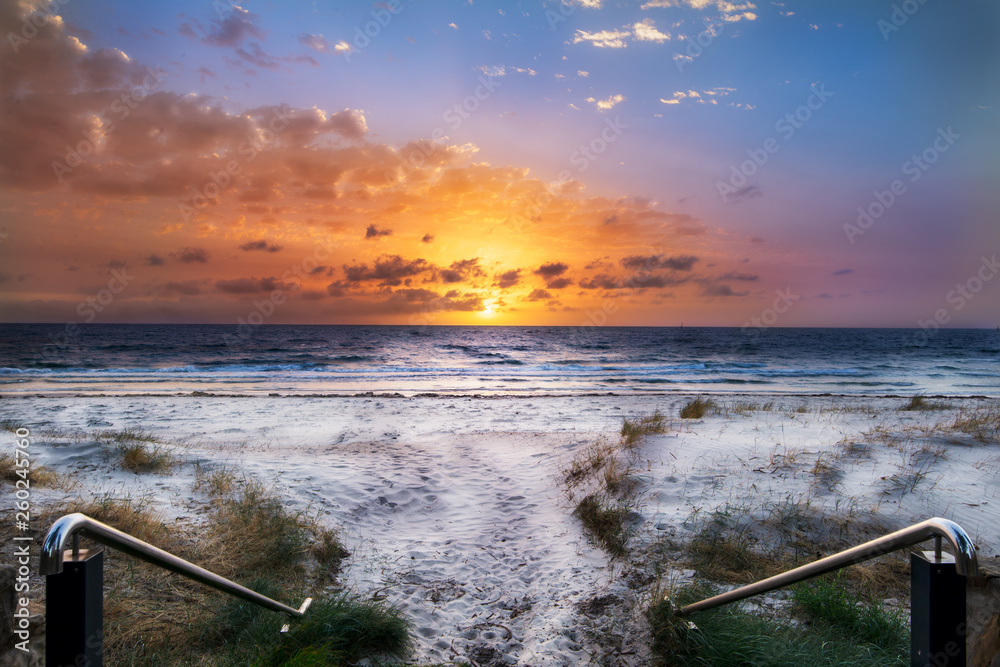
column 496, row 396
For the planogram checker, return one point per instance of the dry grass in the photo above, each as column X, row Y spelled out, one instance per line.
column 138, row 457
column 740, row 544
column 982, row 423
column 246, row 534
column 35, row 475
column 588, row 462
column 634, row 430
column 919, row 402
column 12, row 425
column 697, row 408
column 744, row 407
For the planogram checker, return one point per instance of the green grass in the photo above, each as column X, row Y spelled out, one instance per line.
column 125, row 435
column 342, row 630
column 697, row 408
column 605, row 522
column 729, row 636
column 828, row 601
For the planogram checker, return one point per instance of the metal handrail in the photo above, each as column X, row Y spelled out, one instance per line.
column 966, row 563
column 68, row 528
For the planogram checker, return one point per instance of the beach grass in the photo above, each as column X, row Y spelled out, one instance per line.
column 919, row 402
column 36, row 475
column 12, row 425
column 634, row 430
column 247, row 534
column 139, row 457
column 697, row 408
column 982, row 423
column 606, row 521
column 732, row 636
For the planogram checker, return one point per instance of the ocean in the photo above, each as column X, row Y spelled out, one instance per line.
column 410, row 360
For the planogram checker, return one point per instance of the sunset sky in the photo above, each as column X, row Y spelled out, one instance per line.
column 593, row 161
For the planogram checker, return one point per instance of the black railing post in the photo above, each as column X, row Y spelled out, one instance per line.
column 74, row 612
column 937, row 611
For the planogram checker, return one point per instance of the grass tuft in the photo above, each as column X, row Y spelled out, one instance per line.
column 606, row 523
column 140, row 458
column 697, row 408
column 828, row 601
column 919, row 402
column 633, row 430
column 35, row 475
column 12, row 425
column 342, row 630
column 732, row 637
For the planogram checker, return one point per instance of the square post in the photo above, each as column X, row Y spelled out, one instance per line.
column 937, row 611
column 74, row 611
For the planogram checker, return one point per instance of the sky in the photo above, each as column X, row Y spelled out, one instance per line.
column 573, row 162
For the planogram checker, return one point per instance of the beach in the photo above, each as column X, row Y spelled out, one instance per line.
column 457, row 510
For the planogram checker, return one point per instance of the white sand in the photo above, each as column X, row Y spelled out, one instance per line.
column 455, row 509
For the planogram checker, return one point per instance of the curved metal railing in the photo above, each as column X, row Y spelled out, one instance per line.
column 937, row 528
column 67, row 529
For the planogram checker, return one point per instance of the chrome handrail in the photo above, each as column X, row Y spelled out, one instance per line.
column 966, row 563
column 67, row 529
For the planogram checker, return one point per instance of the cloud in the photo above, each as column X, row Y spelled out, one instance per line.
column 508, row 278
column 373, row 232
column 843, row 272
column 390, row 269
column 428, row 238
column 608, row 103
column 316, row 42
column 721, row 289
column 250, row 285
column 604, row 39
column 191, row 255
column 539, row 295
column 651, row 262
column 186, row 288
column 746, row 192
column 260, row 245
column 551, row 270
column 559, row 283
column 461, row 271
column 155, row 260
column 646, row 31
column 232, row 29
column 634, row 282
column 744, row 277
column 729, row 11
